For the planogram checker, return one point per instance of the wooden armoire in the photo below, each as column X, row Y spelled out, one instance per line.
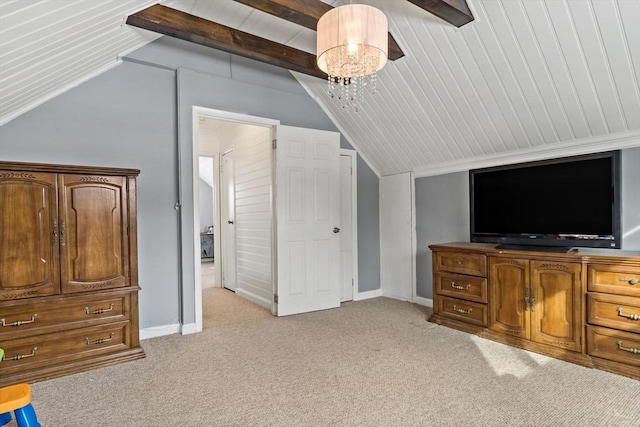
column 68, row 270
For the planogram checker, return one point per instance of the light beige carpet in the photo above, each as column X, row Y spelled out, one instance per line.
column 370, row 363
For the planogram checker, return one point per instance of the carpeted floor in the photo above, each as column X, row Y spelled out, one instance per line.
column 370, row 363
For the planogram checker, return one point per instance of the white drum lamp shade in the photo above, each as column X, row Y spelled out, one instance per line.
column 352, row 41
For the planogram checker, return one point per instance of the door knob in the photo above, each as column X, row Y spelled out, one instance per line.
column 229, row 222
column 336, row 230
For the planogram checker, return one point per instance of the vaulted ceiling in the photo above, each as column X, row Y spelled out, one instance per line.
column 526, row 79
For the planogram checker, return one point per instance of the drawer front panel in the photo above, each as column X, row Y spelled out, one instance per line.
column 45, row 350
column 465, row 311
column 458, row 286
column 463, row 263
column 613, row 345
column 614, row 279
column 41, row 317
column 613, row 311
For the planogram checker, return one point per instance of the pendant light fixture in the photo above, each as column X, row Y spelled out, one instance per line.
column 352, row 47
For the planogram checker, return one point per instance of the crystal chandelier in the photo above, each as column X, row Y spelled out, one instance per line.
column 352, row 46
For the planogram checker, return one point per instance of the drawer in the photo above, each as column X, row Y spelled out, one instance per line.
column 614, row 279
column 464, row 311
column 614, row 311
column 462, row 263
column 459, row 286
column 610, row 344
column 49, row 349
column 50, row 315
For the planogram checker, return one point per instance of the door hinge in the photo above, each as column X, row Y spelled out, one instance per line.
column 275, row 298
column 274, row 144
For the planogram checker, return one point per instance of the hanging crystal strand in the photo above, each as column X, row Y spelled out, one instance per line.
column 354, row 93
column 344, row 93
column 330, row 86
column 347, row 91
column 374, row 81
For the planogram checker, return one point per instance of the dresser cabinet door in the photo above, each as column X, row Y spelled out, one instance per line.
column 29, row 244
column 556, row 304
column 508, row 282
column 93, row 232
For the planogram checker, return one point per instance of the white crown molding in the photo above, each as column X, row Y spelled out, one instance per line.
column 589, row 145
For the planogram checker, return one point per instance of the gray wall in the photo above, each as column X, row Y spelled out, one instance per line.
column 442, row 214
column 368, row 228
column 122, row 118
column 138, row 115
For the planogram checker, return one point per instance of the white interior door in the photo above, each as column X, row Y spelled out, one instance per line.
column 228, row 213
column 396, row 236
column 346, row 229
column 308, row 215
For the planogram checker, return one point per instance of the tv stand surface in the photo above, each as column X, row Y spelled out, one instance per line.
column 580, row 307
column 532, row 248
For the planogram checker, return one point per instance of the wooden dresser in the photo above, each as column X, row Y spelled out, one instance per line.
column 68, row 270
column 582, row 307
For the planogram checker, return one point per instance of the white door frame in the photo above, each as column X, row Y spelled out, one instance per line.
column 198, row 112
column 353, row 154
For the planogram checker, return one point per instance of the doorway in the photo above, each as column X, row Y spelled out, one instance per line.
column 254, row 216
column 247, row 141
column 208, row 212
column 348, row 223
column 227, row 220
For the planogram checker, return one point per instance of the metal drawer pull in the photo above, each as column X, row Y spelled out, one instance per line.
column 99, row 311
column 21, row 356
column 629, row 281
column 628, row 316
column 460, row 310
column 629, row 349
column 461, row 263
column 19, row 322
column 99, row 340
column 462, row 288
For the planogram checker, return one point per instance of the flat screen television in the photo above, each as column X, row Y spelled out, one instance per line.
column 554, row 205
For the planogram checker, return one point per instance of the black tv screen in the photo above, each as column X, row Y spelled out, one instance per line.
column 559, row 203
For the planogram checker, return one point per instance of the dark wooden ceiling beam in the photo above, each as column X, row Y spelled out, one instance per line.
column 306, row 13
column 455, row 12
column 184, row 26
column 302, row 12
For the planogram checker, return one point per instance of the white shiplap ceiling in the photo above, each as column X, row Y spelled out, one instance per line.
column 527, row 79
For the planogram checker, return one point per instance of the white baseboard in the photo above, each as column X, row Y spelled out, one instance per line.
column 359, row 296
column 174, row 328
column 427, row 302
column 159, row 331
column 254, row 298
column 189, row 328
